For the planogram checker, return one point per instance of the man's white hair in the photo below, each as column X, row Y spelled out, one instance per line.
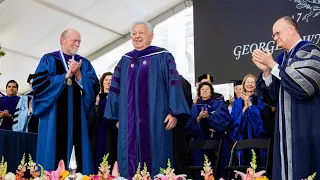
column 148, row 25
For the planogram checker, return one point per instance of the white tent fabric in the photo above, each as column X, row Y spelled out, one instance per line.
column 31, row 28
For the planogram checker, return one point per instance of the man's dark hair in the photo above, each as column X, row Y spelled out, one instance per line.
column 12, row 81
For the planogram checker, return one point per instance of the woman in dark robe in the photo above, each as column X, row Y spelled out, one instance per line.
column 210, row 121
column 107, row 132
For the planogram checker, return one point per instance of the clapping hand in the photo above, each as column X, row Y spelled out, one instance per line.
column 75, row 66
column 231, row 100
column 69, row 74
column 4, row 114
column 246, row 99
column 263, row 60
column 203, row 114
column 1, row 114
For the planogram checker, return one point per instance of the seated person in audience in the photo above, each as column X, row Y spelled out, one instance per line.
column 237, row 93
column 23, row 117
column 209, row 79
column 210, row 121
column 8, row 105
column 247, row 119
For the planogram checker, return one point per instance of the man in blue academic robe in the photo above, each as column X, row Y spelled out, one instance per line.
column 297, row 126
column 146, row 97
column 65, row 86
column 8, row 105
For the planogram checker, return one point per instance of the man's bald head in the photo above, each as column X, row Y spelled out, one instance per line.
column 289, row 21
column 70, row 40
column 286, row 32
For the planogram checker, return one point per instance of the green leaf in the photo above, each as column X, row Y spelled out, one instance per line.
column 161, row 171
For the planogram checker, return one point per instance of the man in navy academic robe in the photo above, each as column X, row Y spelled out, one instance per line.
column 147, row 98
column 297, row 126
column 65, row 86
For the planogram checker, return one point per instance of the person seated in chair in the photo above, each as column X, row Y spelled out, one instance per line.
column 210, row 121
column 206, row 78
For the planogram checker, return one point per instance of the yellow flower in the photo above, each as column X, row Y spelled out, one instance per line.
column 64, row 174
column 262, row 178
column 85, row 177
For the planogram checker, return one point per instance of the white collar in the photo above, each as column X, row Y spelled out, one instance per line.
column 295, row 44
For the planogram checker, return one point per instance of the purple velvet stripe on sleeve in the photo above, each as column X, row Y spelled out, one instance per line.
column 117, row 68
column 114, row 89
column 175, row 83
column 174, row 72
column 132, row 130
column 116, row 79
column 172, row 61
column 144, row 117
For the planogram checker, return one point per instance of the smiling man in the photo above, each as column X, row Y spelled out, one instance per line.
column 147, row 98
column 294, row 81
column 8, row 105
column 65, row 86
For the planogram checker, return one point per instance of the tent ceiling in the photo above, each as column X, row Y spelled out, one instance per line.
column 31, row 28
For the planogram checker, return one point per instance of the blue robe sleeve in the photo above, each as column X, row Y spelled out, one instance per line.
column 254, row 117
column 90, row 87
column 112, row 105
column 47, row 86
column 178, row 106
column 236, row 116
column 251, row 116
column 219, row 119
column 192, row 127
column 268, row 94
column 21, row 115
column 301, row 78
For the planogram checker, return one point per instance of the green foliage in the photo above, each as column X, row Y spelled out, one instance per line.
column 2, row 53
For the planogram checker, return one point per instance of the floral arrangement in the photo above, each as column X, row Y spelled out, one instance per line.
column 313, row 176
column 251, row 171
column 21, row 168
column 33, row 168
column 3, row 169
column 207, row 172
column 168, row 174
column 37, row 172
column 142, row 175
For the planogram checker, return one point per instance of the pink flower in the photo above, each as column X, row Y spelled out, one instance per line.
column 54, row 175
column 115, row 170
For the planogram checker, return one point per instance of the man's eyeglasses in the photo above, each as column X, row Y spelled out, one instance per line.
column 277, row 34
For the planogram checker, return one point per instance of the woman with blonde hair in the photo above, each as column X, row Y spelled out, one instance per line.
column 247, row 118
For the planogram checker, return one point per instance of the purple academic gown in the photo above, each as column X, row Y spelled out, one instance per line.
column 145, row 88
column 106, row 137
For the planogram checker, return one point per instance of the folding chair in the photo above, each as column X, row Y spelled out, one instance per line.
column 248, row 144
column 213, row 145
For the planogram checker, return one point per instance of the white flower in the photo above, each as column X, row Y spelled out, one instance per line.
column 38, row 178
column 10, row 176
column 79, row 176
column 119, row 178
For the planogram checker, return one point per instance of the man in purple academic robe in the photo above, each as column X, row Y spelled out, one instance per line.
column 147, row 98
